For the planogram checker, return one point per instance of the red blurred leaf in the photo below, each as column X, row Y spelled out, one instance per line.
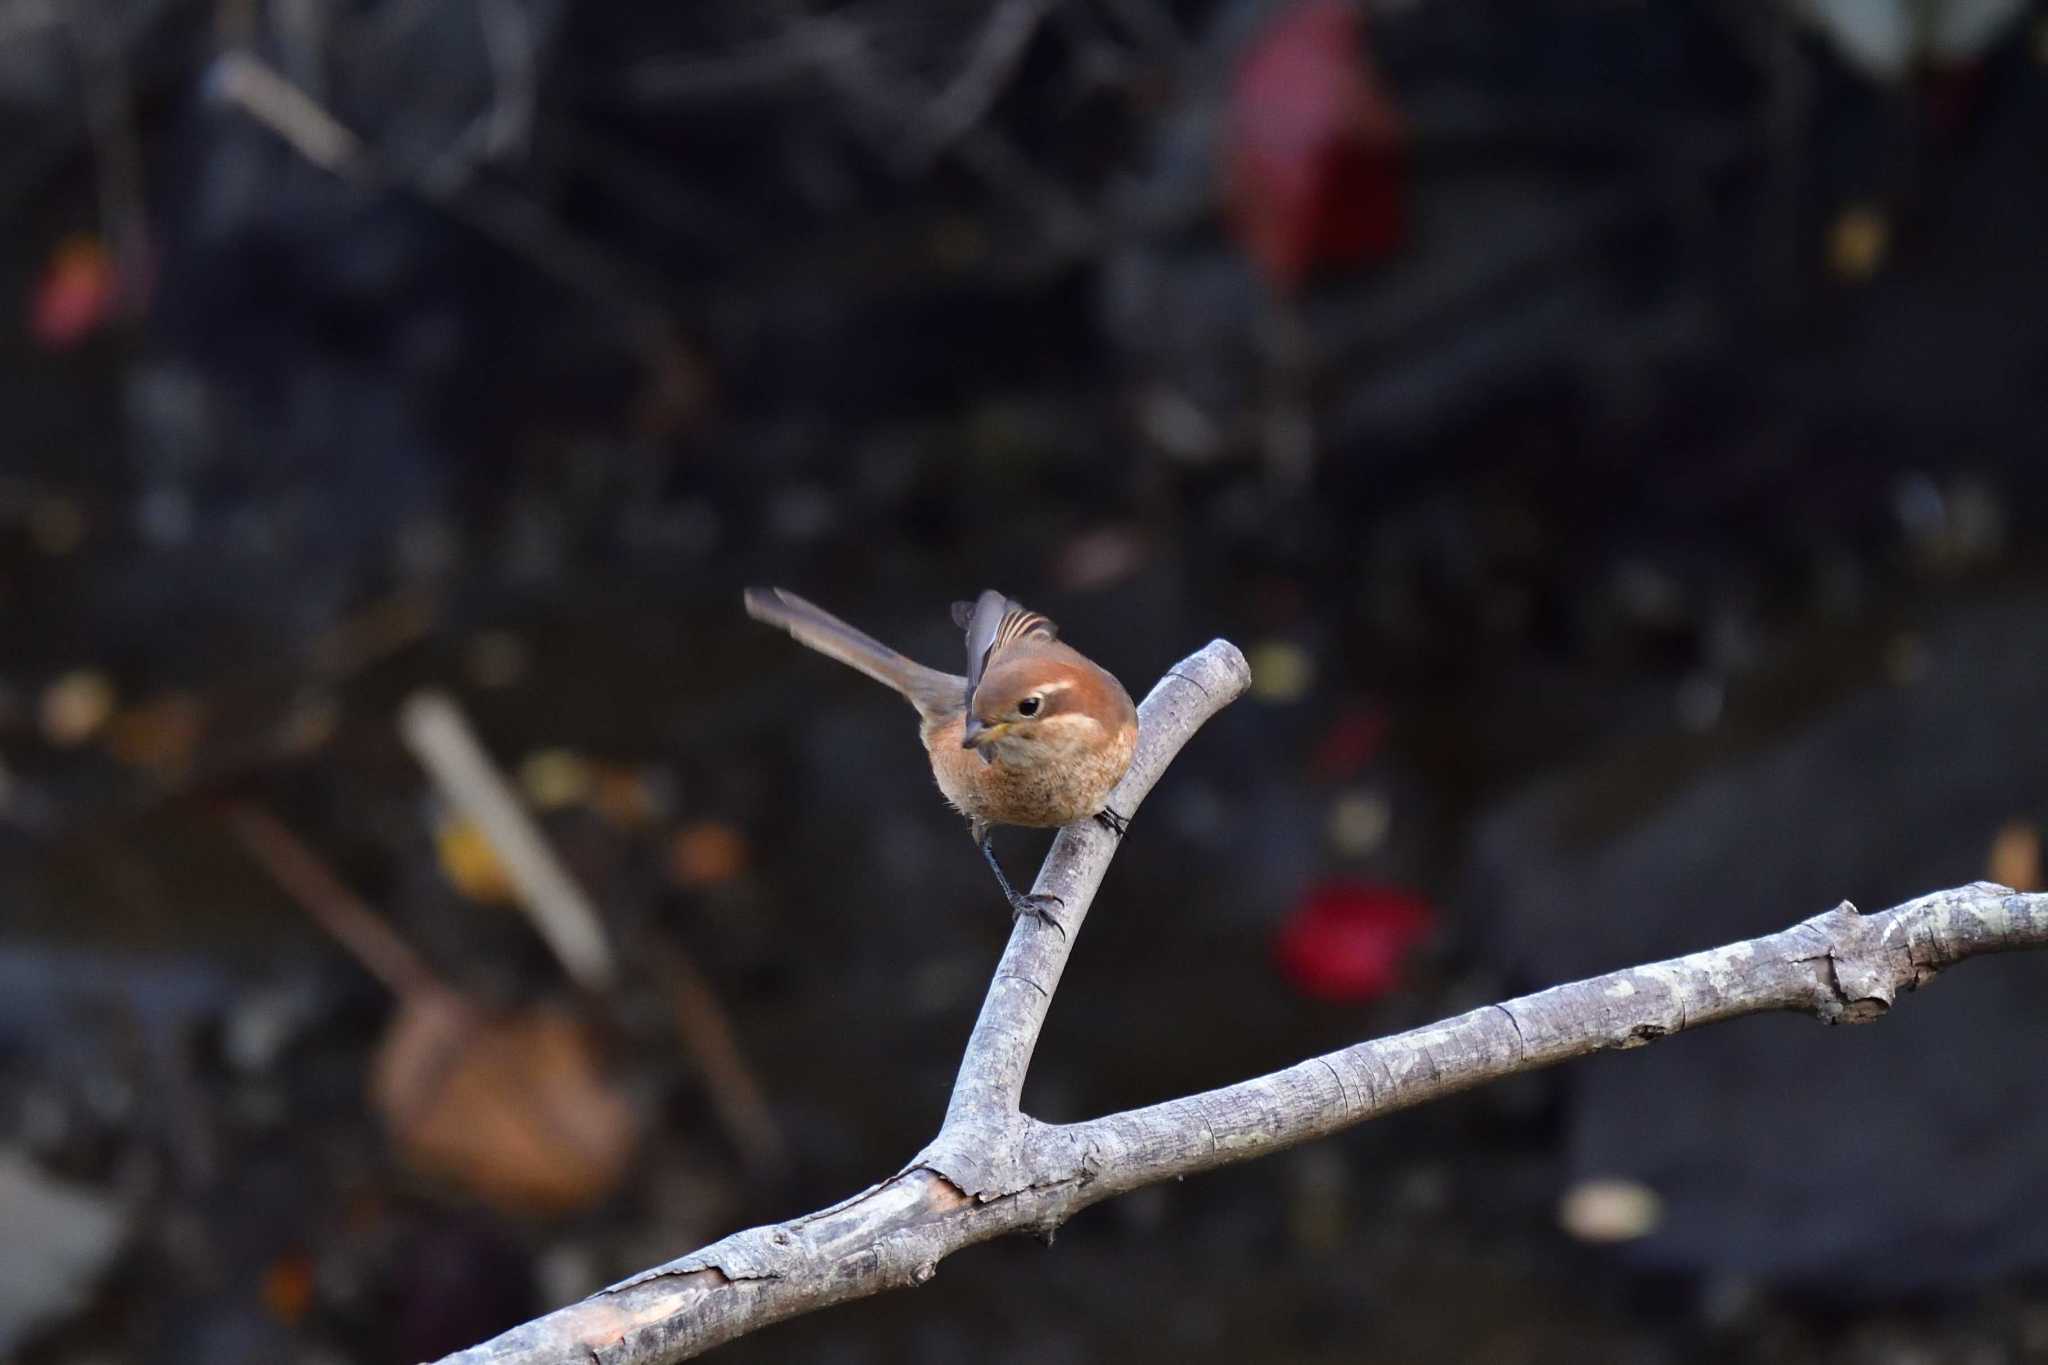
column 1314, row 150
column 1349, row 744
column 76, row 295
column 1347, row 941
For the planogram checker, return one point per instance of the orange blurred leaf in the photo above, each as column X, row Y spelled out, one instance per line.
column 706, row 854
column 516, row 1109
column 2016, row 856
column 627, row 797
column 160, row 734
column 288, row 1287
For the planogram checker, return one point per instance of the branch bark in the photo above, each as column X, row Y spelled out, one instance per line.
column 993, row 1170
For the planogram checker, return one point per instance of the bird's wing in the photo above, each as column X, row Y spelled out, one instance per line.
column 993, row 622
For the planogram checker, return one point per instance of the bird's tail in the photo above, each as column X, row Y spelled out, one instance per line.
column 928, row 689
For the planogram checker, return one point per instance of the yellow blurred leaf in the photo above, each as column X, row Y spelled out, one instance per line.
column 555, row 778
column 1857, row 242
column 75, row 706
column 1281, row 672
column 470, row 863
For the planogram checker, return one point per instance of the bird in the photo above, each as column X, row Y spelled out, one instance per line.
column 1034, row 734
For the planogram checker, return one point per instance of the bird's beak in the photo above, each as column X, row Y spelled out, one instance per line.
column 977, row 733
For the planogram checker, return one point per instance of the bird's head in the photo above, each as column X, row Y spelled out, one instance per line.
column 1025, row 703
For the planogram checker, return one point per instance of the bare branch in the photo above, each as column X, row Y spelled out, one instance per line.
column 1842, row 967
column 993, row 1170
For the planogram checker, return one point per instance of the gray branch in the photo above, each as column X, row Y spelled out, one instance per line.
column 993, row 1170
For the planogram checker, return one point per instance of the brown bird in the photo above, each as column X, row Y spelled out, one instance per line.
column 1035, row 734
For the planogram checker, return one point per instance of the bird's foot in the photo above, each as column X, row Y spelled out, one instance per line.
column 1111, row 821
column 1040, row 906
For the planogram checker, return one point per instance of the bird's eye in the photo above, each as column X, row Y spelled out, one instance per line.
column 1028, row 707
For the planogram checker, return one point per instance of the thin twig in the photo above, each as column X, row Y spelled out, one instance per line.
column 792, row 56
column 309, row 881
column 374, row 633
column 20, row 18
column 1154, row 24
column 261, row 92
column 896, row 104
column 966, row 100
column 509, row 39
column 512, row 220
column 736, row 1096
column 439, row 736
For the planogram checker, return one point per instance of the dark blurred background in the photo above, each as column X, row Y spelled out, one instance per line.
column 1611, row 429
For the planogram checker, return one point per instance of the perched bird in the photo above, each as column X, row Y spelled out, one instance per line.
column 1035, row 734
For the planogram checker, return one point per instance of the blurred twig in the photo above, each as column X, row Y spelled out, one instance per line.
column 867, row 82
column 20, row 17
column 792, row 56
column 999, row 51
column 1151, row 21
column 906, row 125
column 511, row 219
column 508, row 35
column 312, row 884
column 436, row 731
column 706, row 1030
column 266, row 96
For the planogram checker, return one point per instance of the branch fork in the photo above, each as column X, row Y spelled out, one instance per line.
column 994, row 1170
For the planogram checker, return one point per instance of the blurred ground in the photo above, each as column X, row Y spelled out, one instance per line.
column 1611, row 430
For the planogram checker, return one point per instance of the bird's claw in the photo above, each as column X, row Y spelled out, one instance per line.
column 1111, row 821
column 1039, row 905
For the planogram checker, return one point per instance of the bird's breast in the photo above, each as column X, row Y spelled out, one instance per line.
column 1059, row 774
